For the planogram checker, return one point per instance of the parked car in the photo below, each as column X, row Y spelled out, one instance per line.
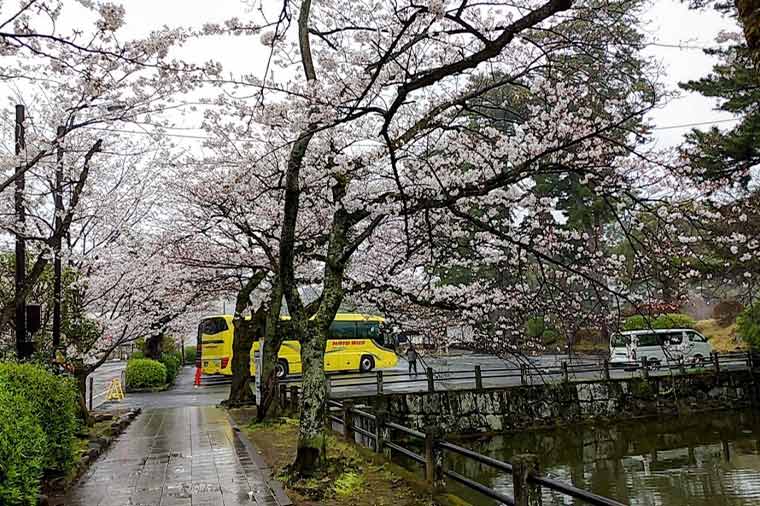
column 659, row 347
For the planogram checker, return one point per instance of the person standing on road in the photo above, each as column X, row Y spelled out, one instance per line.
column 411, row 357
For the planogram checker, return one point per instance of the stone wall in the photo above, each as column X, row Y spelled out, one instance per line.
column 553, row 405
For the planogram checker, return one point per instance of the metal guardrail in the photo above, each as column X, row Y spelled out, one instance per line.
column 431, row 380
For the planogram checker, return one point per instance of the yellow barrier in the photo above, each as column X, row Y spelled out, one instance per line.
column 115, row 392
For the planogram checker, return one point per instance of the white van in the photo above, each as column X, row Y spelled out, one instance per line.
column 660, row 347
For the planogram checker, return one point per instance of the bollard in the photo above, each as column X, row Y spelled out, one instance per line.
column 379, row 382
column 644, row 368
column 716, row 361
column 526, row 493
column 478, row 378
column 565, row 373
column 431, row 381
column 750, row 361
column 606, row 370
column 348, row 428
column 92, row 380
column 682, row 366
column 283, row 389
column 523, row 374
column 294, row 398
column 433, row 459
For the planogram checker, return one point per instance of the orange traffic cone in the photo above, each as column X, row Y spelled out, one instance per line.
column 197, row 377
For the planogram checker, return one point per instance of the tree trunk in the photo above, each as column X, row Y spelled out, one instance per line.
column 268, row 406
column 81, row 378
column 154, row 346
column 240, row 389
column 311, row 430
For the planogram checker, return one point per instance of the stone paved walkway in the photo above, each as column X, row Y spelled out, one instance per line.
column 187, row 456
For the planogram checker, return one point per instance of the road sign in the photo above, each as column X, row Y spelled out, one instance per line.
column 115, row 392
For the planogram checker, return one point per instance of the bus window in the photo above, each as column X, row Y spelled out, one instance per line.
column 212, row 326
column 342, row 330
column 369, row 330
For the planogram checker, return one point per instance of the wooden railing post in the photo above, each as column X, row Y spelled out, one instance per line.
column 348, row 427
column 606, row 370
column 526, row 493
column 294, row 398
column 283, row 395
column 750, row 361
column 430, row 380
column 381, row 432
column 478, row 378
column 716, row 361
column 644, row 368
column 565, row 373
column 433, row 459
column 523, row 374
column 379, row 382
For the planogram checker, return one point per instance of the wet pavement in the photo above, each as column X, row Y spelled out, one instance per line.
column 182, row 394
column 187, row 456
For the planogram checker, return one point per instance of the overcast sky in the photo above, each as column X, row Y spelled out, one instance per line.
column 669, row 23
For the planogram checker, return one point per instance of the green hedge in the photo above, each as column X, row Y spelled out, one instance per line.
column 172, row 362
column 54, row 402
column 145, row 373
column 22, row 450
column 665, row 321
column 748, row 325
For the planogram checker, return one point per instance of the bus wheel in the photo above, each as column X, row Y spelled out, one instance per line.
column 653, row 364
column 281, row 369
column 366, row 364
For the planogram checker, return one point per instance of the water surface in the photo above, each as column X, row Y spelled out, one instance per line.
column 709, row 459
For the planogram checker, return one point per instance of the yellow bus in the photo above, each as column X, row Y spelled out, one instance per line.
column 356, row 343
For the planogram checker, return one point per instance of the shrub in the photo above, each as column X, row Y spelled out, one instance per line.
column 674, row 321
column 748, row 325
column 190, row 354
column 172, row 363
column 137, row 354
column 726, row 311
column 636, row 322
column 537, row 327
column 22, row 450
column 665, row 321
column 145, row 373
column 54, row 402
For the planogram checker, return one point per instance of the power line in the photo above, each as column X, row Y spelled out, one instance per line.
column 701, row 123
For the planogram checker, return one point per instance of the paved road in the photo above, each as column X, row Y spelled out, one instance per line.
column 102, row 376
column 182, row 394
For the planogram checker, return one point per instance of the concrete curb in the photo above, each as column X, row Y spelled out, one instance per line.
column 275, row 486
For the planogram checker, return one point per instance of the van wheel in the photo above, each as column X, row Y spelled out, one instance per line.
column 698, row 360
column 653, row 364
column 366, row 364
column 281, row 369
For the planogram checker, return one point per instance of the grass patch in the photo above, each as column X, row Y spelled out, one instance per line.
column 353, row 476
column 722, row 338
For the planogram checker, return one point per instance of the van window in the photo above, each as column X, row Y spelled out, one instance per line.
column 648, row 340
column 696, row 337
column 212, row 326
column 619, row 340
column 672, row 338
column 342, row 330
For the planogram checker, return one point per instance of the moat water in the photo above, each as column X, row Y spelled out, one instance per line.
column 709, row 459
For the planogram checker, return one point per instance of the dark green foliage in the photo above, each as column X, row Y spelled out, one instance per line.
column 137, row 354
column 145, row 373
column 54, row 402
column 726, row 311
column 665, row 321
column 537, row 328
column 729, row 153
column 190, row 355
column 748, row 325
column 22, row 450
column 172, row 362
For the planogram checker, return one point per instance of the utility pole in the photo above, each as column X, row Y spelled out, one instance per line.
column 58, row 196
column 21, row 345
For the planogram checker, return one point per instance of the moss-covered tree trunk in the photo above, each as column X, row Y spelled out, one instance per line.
column 245, row 332
column 268, row 405
column 80, row 375
column 154, row 346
